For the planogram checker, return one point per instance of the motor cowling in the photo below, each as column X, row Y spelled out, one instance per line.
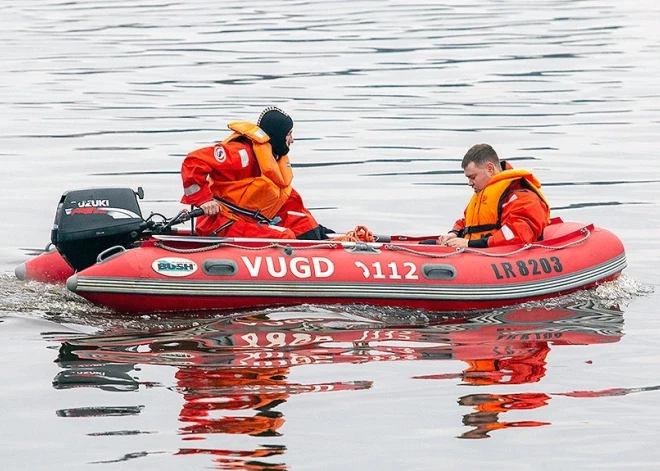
column 89, row 221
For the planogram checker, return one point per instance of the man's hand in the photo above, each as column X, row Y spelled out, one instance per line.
column 457, row 242
column 444, row 239
column 210, row 208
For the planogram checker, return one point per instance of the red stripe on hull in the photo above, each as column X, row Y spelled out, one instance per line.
column 141, row 303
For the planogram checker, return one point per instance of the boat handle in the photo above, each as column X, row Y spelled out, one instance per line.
column 110, row 252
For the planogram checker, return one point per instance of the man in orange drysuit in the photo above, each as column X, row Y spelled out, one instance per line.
column 487, row 407
column 243, row 184
column 507, row 207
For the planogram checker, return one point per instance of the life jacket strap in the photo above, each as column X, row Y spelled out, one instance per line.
column 476, row 229
column 256, row 215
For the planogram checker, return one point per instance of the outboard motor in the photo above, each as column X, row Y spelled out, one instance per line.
column 90, row 221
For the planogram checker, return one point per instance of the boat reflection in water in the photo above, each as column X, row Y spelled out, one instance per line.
column 233, row 372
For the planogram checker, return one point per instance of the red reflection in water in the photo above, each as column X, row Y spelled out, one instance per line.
column 488, row 407
column 242, row 460
column 209, row 390
column 233, row 373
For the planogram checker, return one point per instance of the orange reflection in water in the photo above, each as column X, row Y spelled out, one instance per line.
column 488, row 407
column 258, row 390
column 233, row 372
column 242, row 460
column 518, row 356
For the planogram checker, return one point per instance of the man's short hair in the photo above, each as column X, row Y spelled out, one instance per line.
column 480, row 154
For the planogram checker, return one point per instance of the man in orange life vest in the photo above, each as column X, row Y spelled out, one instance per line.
column 507, row 207
column 243, row 184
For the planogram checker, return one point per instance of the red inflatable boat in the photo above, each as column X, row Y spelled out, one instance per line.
column 109, row 255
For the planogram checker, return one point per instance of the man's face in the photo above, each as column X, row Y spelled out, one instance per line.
column 478, row 176
column 289, row 138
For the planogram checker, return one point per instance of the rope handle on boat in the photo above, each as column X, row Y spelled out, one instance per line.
column 397, row 248
column 196, row 250
column 277, row 245
column 585, row 231
column 274, row 245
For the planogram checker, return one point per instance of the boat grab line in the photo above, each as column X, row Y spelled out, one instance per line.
column 274, row 245
column 174, row 249
column 392, row 247
column 585, row 231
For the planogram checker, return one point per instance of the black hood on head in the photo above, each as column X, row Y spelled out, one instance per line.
column 277, row 124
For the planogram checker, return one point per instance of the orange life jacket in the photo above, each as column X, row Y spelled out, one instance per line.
column 484, row 211
column 265, row 193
